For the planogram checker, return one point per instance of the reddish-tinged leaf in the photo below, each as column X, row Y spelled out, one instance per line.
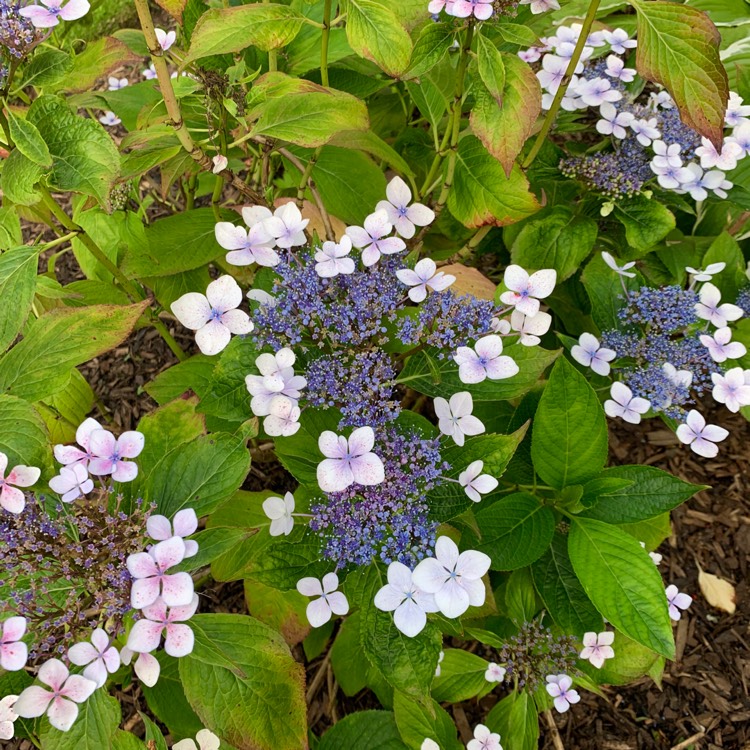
column 678, row 47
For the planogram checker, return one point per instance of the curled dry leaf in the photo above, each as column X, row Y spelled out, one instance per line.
column 470, row 281
column 718, row 592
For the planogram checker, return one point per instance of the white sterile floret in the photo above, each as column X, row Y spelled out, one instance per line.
column 429, row 744
column 525, row 291
column 710, row 308
column 623, row 404
column 667, row 155
column 406, row 600
column 701, row 182
column 455, row 579
column 484, row 361
column 283, row 417
column 732, row 388
column 623, row 270
column 721, row 347
column 613, row 122
column 552, row 72
column 590, row 353
column 530, row 328
column 280, row 511
column 741, row 137
column 540, row 6
column 373, row 239
column 247, row 246
column 329, row 602
column 332, row 258
column 475, row 483
column 404, row 217
column 701, row 437
column 597, row 91
column 484, row 739
column 737, row 113
column 455, row 418
column 645, row 130
column 424, row 277
column 214, row 315
column 616, row 69
column 619, row 40
column 494, row 673
column 597, row 647
column 348, row 461
column 725, row 159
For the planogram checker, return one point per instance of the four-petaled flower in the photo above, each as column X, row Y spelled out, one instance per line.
column 184, row 523
column 475, row 483
column 455, row 418
column 590, row 353
column 72, row 482
column 726, row 159
column 494, row 673
column 50, row 12
column 158, row 618
column 597, row 647
column 331, row 259
column 69, row 454
column 149, row 569
column 206, row 739
column 406, row 600
column 709, row 308
column 619, row 41
column 108, row 454
column 701, row 437
column 11, row 498
column 98, row 657
column 373, row 239
column 59, row 703
column 732, row 388
column 624, row 404
column 424, row 276
column 526, row 290
column 721, row 347
column 559, row 686
column 677, row 601
column 530, row 328
column 485, row 360
column 214, row 315
column 480, row 9
column 13, row 651
column 246, row 246
column 348, row 461
column 616, row 69
column 110, row 119
column 404, row 217
column 484, row 739
column 330, row 600
column 613, row 122
column 645, row 130
column 455, row 579
column 283, row 417
column 220, row 163
column 701, row 274
column 280, row 511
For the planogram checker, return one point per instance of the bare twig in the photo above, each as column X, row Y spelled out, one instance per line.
column 554, row 732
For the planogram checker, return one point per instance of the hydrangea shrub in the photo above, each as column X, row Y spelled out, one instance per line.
column 417, row 257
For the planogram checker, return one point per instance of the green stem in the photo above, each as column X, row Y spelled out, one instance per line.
column 324, row 42
column 571, row 69
column 273, row 62
column 304, row 180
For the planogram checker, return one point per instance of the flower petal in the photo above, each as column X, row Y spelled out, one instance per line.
column 192, row 310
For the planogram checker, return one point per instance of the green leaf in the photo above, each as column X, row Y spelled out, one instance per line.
column 482, row 195
column 515, row 530
column 265, row 26
column 520, row 597
column 47, row 67
column 68, row 408
column 153, row 733
column 350, row 666
column 94, row 729
column 167, row 700
column 23, row 435
column 505, row 118
column 726, row 249
column 492, row 68
column 631, row 661
column 531, row 360
column 363, row 730
column 461, row 676
column 372, row 144
column 561, row 592
column 68, row 338
column 194, row 374
column 516, row 33
column 555, row 238
column 17, row 283
column 622, row 582
column 407, row 664
column 164, row 253
column 449, row 499
column 284, row 611
column 431, row 46
column 569, row 436
column 199, row 474
column 28, row 140
column 10, row 228
column 417, row 721
column 678, row 47
column 97, row 61
column 241, row 680
column 84, row 157
column 650, row 493
column 18, row 178
column 646, row 221
column 227, row 396
column 515, row 716
column 605, row 290
column 374, row 32
column 302, row 112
